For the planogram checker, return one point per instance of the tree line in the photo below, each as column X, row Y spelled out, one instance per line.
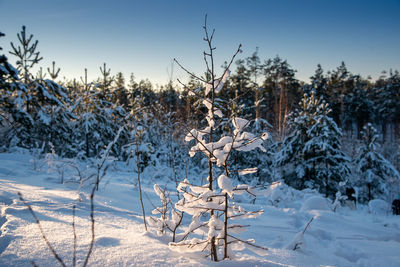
column 78, row 118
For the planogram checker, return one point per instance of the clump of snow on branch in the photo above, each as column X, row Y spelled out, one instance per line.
column 218, row 83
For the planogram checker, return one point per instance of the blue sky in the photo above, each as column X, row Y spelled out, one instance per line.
column 144, row 36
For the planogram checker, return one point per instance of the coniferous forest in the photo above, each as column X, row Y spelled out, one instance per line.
column 320, row 133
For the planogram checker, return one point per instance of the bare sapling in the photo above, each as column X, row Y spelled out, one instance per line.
column 216, row 233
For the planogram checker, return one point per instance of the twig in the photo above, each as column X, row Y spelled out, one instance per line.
column 92, row 223
column 248, row 243
column 308, row 224
column 188, row 72
column 74, row 231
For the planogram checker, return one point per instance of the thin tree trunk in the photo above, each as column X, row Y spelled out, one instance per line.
column 369, row 192
column 280, row 112
column 87, row 144
column 257, row 103
column 140, row 187
column 226, row 227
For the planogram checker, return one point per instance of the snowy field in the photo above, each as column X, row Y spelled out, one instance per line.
column 341, row 238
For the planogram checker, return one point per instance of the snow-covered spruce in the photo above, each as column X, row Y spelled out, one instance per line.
column 377, row 177
column 311, row 155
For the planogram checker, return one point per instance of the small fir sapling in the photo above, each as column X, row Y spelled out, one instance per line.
column 341, row 198
column 40, row 75
column 218, row 241
column 26, row 54
column 105, row 82
column 53, row 72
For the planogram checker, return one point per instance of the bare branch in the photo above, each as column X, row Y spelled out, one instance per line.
column 248, row 243
column 308, row 224
column 188, row 72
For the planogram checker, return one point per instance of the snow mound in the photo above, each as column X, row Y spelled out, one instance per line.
column 279, row 194
column 315, row 203
column 378, row 207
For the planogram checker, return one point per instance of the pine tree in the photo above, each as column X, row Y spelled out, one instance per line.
column 255, row 69
column 9, row 104
column 387, row 103
column 326, row 164
column 376, row 176
column 26, row 54
column 37, row 107
column 358, row 109
column 319, row 83
column 282, row 91
column 120, row 94
column 104, row 83
column 290, row 156
column 336, row 91
column 311, row 155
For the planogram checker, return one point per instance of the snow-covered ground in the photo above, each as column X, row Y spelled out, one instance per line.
column 341, row 238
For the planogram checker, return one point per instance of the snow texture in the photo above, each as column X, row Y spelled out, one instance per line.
column 342, row 238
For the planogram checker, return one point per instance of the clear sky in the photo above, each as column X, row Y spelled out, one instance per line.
column 144, row 36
